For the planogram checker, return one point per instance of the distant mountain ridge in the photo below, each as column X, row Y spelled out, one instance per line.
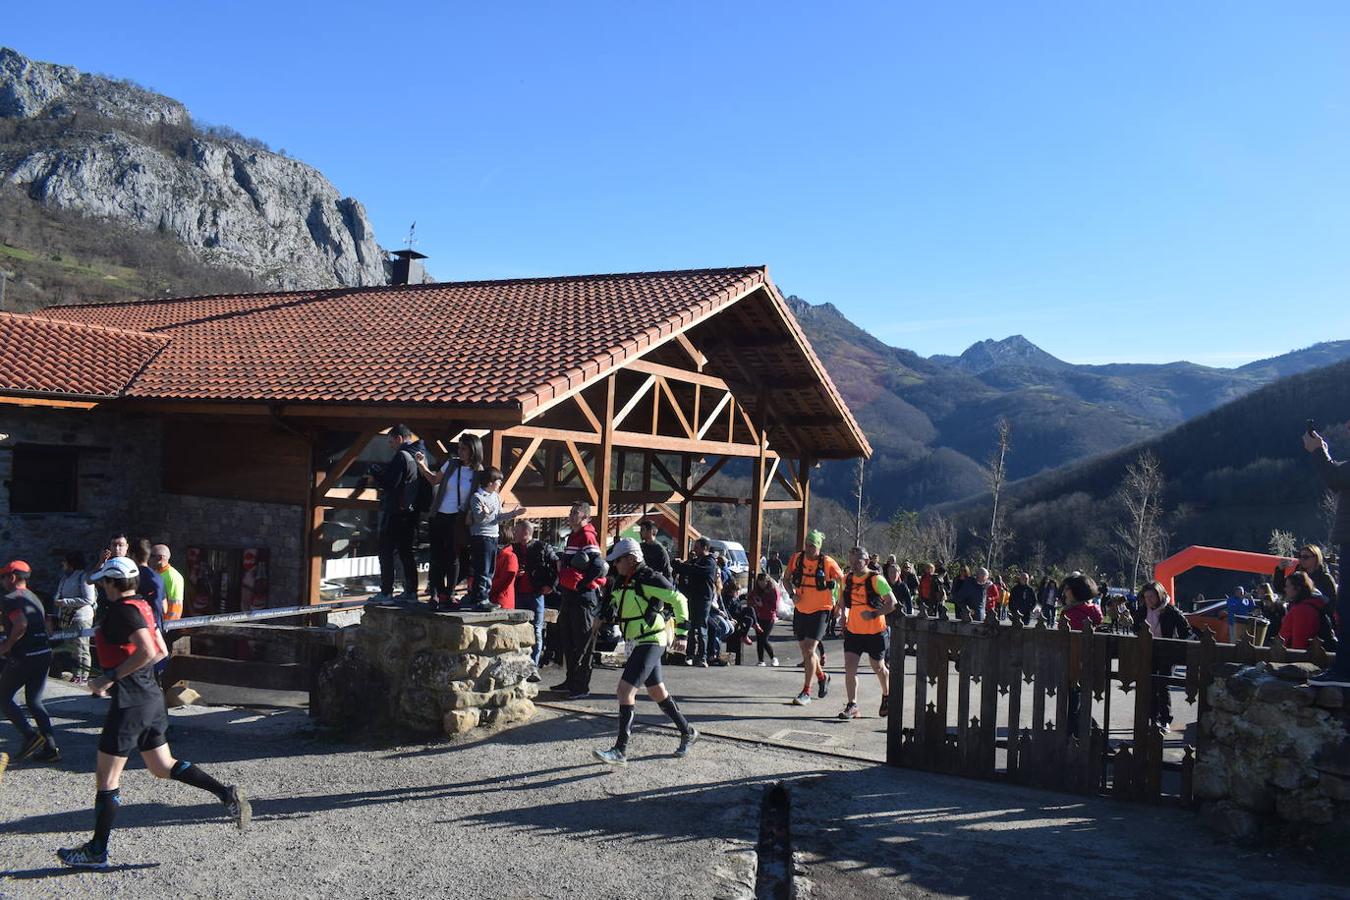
column 931, row 421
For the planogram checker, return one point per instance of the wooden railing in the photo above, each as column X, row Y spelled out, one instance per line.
column 1013, row 715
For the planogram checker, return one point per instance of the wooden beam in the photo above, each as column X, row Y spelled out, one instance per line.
column 54, row 403
column 757, row 508
column 582, row 470
column 782, row 504
column 586, row 410
column 602, row 473
column 768, row 480
column 312, row 560
column 686, row 509
column 344, row 462
column 633, row 401
column 676, row 374
column 521, row 464
column 804, row 491
column 552, row 434
column 706, row 477
column 679, row 413
column 712, row 416
column 695, row 355
column 665, row 473
column 348, row 503
column 355, row 493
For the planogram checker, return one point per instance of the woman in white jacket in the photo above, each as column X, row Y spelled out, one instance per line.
column 74, row 601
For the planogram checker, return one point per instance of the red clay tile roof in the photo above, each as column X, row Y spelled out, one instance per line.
column 46, row 356
column 515, row 344
column 468, row 343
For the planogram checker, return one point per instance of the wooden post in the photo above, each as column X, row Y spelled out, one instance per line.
column 804, row 485
column 494, row 448
column 686, row 507
column 757, row 501
column 602, row 470
column 313, row 521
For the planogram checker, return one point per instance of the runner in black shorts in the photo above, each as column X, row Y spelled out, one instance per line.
column 128, row 645
column 642, row 601
column 810, row 626
column 864, row 602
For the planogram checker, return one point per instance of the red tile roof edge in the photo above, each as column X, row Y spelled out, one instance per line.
column 80, row 329
column 616, row 356
column 322, row 293
column 59, row 323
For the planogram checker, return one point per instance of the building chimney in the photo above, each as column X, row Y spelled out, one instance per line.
column 406, row 268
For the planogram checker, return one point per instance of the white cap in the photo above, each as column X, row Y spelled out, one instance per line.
column 624, row 547
column 117, row 567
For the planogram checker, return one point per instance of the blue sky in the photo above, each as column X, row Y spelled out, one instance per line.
column 1119, row 182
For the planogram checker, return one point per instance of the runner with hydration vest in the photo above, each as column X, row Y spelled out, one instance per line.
column 814, row 579
column 646, row 607
column 864, row 603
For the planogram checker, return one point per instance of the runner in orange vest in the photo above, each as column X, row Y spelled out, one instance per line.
column 814, row 580
column 863, row 604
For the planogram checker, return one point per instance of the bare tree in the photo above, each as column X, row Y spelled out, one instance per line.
column 1327, row 508
column 1140, row 494
column 861, row 514
column 998, row 473
column 940, row 538
column 1282, row 543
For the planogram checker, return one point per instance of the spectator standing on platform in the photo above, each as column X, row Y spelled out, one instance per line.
column 398, row 486
column 75, row 600
column 505, row 574
column 172, row 579
column 654, row 555
column 700, row 582
column 1079, row 592
column 536, row 579
column 486, row 518
column 1311, row 561
column 448, row 532
column 581, row 574
column 1336, row 477
column 25, row 658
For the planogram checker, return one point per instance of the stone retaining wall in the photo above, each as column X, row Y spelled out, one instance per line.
column 433, row 673
column 1274, row 753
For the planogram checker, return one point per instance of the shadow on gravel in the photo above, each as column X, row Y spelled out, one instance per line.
column 60, row 871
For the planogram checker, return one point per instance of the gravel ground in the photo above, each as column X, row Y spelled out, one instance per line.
column 527, row 813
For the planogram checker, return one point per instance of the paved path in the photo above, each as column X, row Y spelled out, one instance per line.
column 754, row 702
column 528, row 813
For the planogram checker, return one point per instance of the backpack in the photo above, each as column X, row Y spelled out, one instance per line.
column 418, row 494
column 799, row 569
column 874, row 600
column 1326, row 628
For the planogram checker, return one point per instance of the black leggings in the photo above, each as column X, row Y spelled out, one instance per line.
column 762, row 645
column 29, row 673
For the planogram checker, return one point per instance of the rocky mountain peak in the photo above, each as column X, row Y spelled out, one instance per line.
column 1014, row 351
column 113, row 150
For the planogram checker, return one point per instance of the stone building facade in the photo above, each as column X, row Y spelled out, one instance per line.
column 115, row 464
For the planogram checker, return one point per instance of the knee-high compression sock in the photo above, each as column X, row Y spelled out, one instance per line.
column 670, row 709
column 105, row 811
column 626, row 713
column 187, row 773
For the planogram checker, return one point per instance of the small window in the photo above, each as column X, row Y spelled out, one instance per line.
column 44, row 479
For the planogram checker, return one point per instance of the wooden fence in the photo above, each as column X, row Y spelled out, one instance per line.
column 997, row 701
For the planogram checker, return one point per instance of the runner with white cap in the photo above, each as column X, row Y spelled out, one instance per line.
column 128, row 645
column 646, row 607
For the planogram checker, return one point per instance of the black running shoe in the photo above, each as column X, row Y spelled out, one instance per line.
column 824, row 685
column 239, row 809
column 83, row 857
column 885, row 706
column 32, row 744
column 686, row 741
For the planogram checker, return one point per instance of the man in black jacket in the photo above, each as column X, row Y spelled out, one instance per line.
column 654, row 556
column 1022, row 598
column 699, row 582
column 1336, row 476
column 398, row 484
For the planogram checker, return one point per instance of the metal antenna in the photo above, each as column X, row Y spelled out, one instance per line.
column 412, row 234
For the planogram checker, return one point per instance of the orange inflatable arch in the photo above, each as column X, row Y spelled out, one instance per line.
column 1167, row 571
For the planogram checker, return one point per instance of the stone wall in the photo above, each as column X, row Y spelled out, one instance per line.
column 433, row 673
column 120, row 489
column 1274, row 753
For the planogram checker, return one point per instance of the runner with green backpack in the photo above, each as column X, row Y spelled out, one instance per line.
column 646, row 607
